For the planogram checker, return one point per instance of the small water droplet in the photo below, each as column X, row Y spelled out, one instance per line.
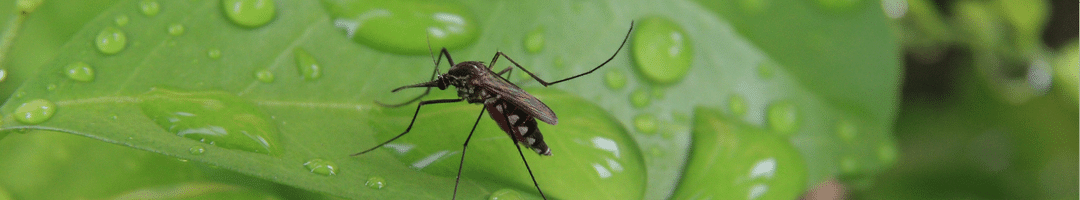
column 737, row 105
column 110, row 41
column 213, row 117
column 658, row 93
column 149, row 7
column 838, row 5
column 615, row 79
column 534, row 41
column 375, row 182
column 79, row 71
column 639, row 98
column 249, row 13
column 196, row 150
column 506, row 194
column 849, row 166
column 50, row 87
column 265, row 76
column 182, row 160
column 321, row 167
column 35, row 111
column 765, row 70
column 176, row 29
column 645, row 123
column 416, row 24
column 307, row 65
column 3, row 75
column 661, row 50
column 121, row 20
column 846, row 130
column 213, row 53
column 783, row 117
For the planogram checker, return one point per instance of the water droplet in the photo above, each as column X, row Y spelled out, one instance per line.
column 320, row 166
column 3, row 75
column 79, row 71
column 28, row 6
column 645, row 123
column 308, row 67
column 213, row 53
column 506, row 194
column 661, row 50
column 176, row 29
column 846, row 130
column 375, row 182
column 50, row 87
column 196, row 150
column 848, row 165
column 783, row 117
column 765, row 70
column 149, row 7
column 534, row 41
column 213, row 117
column 737, row 105
column 110, row 41
column 265, row 76
column 249, row 13
column 416, row 24
column 35, row 111
column 639, row 98
column 886, row 153
column 838, row 5
column 615, row 79
column 121, row 20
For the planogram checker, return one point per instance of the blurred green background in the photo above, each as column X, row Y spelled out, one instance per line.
column 967, row 99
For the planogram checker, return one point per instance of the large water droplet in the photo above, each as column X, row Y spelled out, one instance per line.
column 110, row 41
column 645, row 123
column 196, row 150
column 35, row 111
column 265, row 76
column 308, row 67
column 506, row 194
column 846, row 130
column 415, row 24
column 661, row 50
column 249, row 13
column 737, row 105
column 214, row 117
column 783, row 117
column 375, row 182
column 79, row 71
column 149, row 7
column 640, row 98
column 121, row 20
column 615, row 79
column 176, row 29
column 534, row 41
column 213, row 53
column 321, row 167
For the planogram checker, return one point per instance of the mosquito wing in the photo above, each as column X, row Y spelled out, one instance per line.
column 511, row 93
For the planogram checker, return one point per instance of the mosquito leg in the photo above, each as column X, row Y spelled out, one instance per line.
column 527, row 168
column 545, row 83
column 413, row 121
column 463, row 148
column 434, row 73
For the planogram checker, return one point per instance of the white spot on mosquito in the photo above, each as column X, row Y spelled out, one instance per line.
column 513, row 119
column 600, row 170
column 606, row 144
column 499, row 107
column 422, row 163
column 523, row 129
column 530, row 140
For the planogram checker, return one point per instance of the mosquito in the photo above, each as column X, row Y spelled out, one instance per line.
column 511, row 107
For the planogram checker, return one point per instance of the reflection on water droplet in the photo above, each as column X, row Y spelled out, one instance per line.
column 375, row 182
column 213, row 117
column 756, row 191
column 645, row 123
column 661, row 50
column 615, row 79
column 265, row 76
column 35, row 111
column 249, row 13
column 149, row 7
column 846, row 130
column 764, row 168
column 321, row 167
column 3, row 75
column 306, row 64
column 79, row 71
column 213, row 53
column 606, row 145
column 506, row 194
column 534, row 41
column 121, row 20
column 783, row 117
column 601, row 171
column 196, row 150
column 416, row 24
column 110, row 41
column 737, row 105
column 176, row 29
column 639, row 98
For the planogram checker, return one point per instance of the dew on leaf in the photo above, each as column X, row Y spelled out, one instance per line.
column 308, row 67
column 265, row 76
column 321, row 167
column 534, row 41
column 375, row 182
column 615, row 79
column 196, row 150
column 661, row 50
column 35, row 111
column 3, row 75
column 110, row 41
column 121, row 20
column 416, row 24
column 213, row 117
column 149, row 7
column 783, row 117
column 640, row 98
column 213, row 53
column 249, row 13
column 645, row 123
column 79, row 71
column 176, row 29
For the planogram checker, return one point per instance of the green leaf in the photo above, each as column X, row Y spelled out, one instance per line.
column 837, row 82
